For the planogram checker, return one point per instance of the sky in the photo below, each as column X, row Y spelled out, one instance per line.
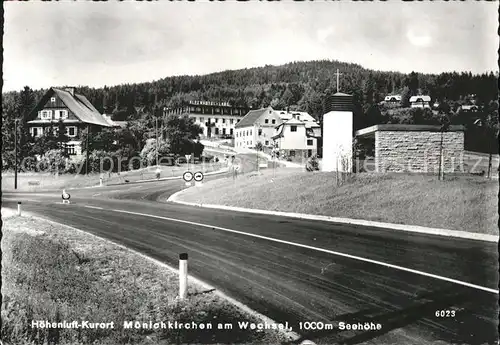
column 96, row 44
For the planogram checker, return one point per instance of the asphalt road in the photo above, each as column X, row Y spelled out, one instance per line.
column 297, row 284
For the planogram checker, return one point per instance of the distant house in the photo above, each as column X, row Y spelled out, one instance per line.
column 392, row 99
column 261, row 126
column 422, row 101
column 469, row 107
column 73, row 110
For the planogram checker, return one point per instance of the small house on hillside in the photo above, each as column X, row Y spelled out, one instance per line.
column 469, row 107
column 73, row 110
column 392, row 99
column 422, row 101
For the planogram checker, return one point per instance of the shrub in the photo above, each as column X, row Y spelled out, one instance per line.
column 54, row 161
column 312, row 164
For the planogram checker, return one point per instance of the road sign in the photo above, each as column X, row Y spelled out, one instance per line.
column 65, row 196
column 188, row 157
column 198, row 176
column 187, row 176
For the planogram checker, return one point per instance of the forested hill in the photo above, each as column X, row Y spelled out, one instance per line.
column 300, row 85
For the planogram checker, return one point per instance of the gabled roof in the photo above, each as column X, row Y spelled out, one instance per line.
column 310, row 124
column 78, row 104
column 252, row 116
column 424, row 98
column 390, row 97
column 293, row 121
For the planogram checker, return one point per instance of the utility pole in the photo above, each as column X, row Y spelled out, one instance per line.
column 15, row 153
column 157, row 140
column 257, row 147
column 87, row 153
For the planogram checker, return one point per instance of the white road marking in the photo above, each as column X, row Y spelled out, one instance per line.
column 97, row 208
column 459, row 282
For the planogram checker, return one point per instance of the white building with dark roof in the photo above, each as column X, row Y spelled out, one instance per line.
column 71, row 110
column 392, row 98
column 296, row 131
column 216, row 119
column 421, row 101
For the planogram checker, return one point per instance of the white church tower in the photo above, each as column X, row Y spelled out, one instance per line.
column 338, row 133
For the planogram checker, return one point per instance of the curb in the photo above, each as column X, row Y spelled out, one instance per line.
column 391, row 226
column 291, row 335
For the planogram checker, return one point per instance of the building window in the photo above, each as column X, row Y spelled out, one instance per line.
column 217, row 110
column 309, row 153
column 70, row 149
column 267, row 142
column 293, row 128
column 273, row 122
column 46, row 114
column 223, row 131
column 260, row 131
column 231, row 131
column 231, row 121
column 250, row 132
column 292, row 153
column 309, row 142
column 216, row 131
column 52, row 99
column 36, row 131
column 266, row 121
column 202, row 119
column 71, row 131
column 223, row 120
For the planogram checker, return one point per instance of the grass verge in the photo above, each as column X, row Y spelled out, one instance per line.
column 464, row 203
column 36, row 182
column 54, row 273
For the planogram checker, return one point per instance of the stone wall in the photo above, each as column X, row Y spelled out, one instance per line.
column 418, row 151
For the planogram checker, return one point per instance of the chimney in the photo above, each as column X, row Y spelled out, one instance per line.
column 71, row 90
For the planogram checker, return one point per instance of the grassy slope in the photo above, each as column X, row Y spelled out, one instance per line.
column 458, row 203
column 51, row 182
column 43, row 279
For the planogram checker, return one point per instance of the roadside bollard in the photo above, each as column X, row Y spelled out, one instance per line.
column 183, row 275
column 100, row 181
column 65, row 197
column 18, row 208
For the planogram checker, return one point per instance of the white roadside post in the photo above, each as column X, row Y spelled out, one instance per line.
column 65, row 197
column 183, row 275
column 18, row 208
column 100, row 181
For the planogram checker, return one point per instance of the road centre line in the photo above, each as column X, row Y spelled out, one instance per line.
column 96, row 207
column 459, row 282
